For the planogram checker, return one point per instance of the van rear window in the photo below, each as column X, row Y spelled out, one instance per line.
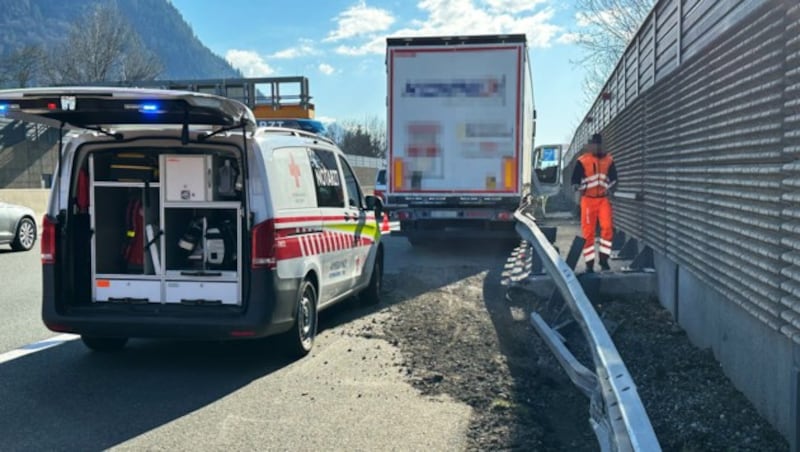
column 381, row 179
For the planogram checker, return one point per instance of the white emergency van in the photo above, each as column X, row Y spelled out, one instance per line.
column 173, row 216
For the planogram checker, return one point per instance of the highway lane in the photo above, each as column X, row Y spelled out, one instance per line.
column 20, row 298
column 350, row 394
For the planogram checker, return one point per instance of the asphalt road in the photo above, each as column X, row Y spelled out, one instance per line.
column 20, row 298
column 350, row 394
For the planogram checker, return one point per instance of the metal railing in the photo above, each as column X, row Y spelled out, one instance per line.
column 703, row 119
column 617, row 414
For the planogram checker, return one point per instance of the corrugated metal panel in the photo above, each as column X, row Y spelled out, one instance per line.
column 715, row 147
column 790, row 301
column 667, row 25
column 646, row 55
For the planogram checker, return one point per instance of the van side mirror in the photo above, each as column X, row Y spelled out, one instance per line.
column 374, row 203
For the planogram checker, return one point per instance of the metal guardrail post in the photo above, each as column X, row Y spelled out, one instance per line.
column 617, row 414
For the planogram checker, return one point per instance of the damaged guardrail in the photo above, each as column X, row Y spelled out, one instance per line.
column 617, row 415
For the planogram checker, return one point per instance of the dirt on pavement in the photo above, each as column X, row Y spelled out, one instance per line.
column 461, row 336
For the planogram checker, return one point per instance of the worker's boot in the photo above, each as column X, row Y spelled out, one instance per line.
column 590, row 266
column 604, row 263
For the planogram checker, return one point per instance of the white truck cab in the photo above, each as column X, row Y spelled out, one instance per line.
column 173, row 216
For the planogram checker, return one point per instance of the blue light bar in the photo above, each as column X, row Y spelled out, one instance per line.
column 3, row 108
column 149, row 108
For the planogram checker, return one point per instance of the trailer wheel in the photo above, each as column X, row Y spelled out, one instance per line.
column 104, row 344
column 299, row 340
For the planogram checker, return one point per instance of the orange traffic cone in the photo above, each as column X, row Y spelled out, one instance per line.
column 385, row 227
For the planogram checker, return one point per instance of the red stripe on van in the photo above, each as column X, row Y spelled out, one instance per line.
column 295, row 246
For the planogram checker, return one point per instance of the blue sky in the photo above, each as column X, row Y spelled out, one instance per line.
column 339, row 46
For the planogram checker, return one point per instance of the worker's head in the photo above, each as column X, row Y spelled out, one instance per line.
column 595, row 145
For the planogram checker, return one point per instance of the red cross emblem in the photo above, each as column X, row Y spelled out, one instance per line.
column 294, row 171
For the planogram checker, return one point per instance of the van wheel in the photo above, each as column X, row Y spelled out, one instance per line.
column 104, row 344
column 372, row 294
column 299, row 340
column 26, row 235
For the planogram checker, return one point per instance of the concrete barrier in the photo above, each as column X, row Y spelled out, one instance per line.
column 34, row 198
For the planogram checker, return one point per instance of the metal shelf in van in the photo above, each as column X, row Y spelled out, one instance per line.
column 202, row 204
column 204, row 275
column 130, row 276
column 115, row 184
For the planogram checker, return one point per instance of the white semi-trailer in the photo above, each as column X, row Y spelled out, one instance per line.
column 461, row 124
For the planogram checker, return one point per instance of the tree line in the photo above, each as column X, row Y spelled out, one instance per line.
column 367, row 137
column 100, row 47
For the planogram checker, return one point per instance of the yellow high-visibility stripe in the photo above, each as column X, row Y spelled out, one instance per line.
column 367, row 229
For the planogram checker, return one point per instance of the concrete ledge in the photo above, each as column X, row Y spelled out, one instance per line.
column 601, row 286
column 34, row 198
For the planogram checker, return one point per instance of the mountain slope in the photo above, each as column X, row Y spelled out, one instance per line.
column 160, row 25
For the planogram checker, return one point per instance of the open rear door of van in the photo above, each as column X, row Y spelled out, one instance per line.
column 116, row 273
column 94, row 108
column 87, row 107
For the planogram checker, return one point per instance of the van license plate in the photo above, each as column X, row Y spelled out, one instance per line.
column 444, row 214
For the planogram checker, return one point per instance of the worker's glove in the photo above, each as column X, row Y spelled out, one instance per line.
column 576, row 187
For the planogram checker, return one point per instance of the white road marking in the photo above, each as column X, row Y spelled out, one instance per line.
column 37, row 347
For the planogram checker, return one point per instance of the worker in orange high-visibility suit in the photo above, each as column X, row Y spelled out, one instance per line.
column 595, row 176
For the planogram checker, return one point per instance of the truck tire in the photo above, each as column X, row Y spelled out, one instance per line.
column 104, row 344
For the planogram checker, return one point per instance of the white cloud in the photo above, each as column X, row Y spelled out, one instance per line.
column 325, row 119
column 376, row 45
column 360, row 20
column 326, row 68
column 249, row 62
column 568, row 38
column 513, row 6
column 304, row 48
column 460, row 17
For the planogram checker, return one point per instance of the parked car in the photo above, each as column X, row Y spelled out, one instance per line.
column 17, row 227
column 178, row 218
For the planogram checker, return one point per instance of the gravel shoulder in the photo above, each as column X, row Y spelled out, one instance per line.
column 459, row 338
column 692, row 405
column 460, row 335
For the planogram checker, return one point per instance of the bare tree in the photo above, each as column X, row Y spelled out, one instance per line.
column 605, row 29
column 367, row 137
column 102, row 47
column 22, row 66
column 138, row 63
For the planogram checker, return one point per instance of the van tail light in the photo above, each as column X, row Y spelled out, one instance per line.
column 263, row 245
column 48, row 240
